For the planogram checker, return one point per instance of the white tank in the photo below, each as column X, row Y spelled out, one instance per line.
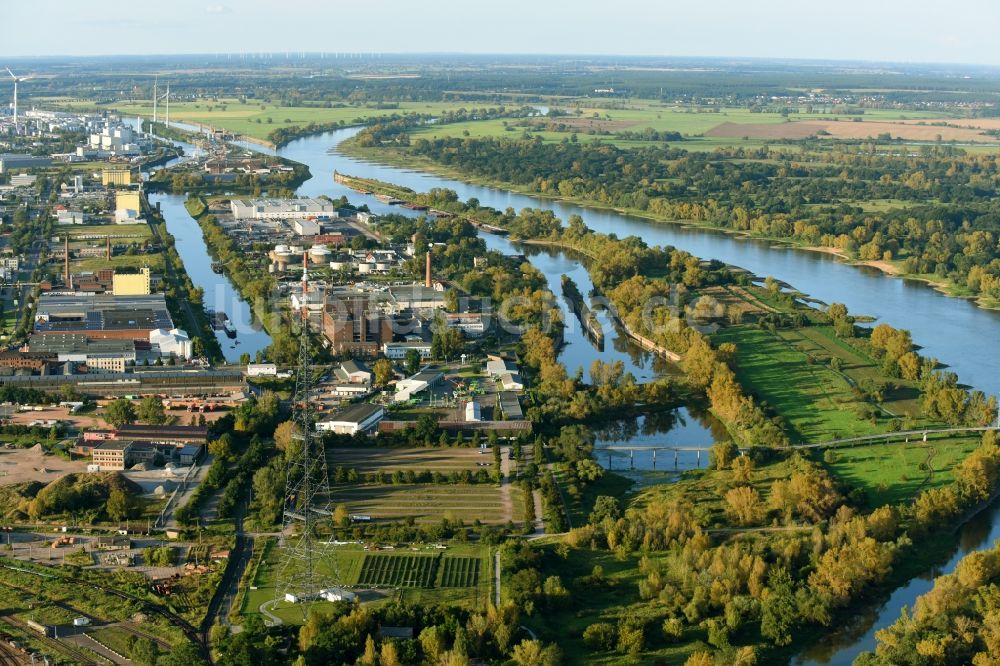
column 365, row 267
column 381, row 266
column 319, row 253
column 281, row 248
column 338, row 265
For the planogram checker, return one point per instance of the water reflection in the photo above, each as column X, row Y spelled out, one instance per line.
column 842, row 646
column 672, row 440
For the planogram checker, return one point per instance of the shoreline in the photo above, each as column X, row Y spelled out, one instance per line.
column 427, row 166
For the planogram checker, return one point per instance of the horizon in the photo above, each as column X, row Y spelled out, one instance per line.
column 891, row 32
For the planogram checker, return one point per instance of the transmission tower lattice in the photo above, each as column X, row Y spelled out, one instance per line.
column 306, row 568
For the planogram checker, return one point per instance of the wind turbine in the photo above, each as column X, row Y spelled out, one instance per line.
column 16, row 81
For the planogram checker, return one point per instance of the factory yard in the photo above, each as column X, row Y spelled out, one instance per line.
column 25, row 465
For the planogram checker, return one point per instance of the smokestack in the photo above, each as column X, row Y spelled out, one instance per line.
column 109, row 248
column 305, row 272
column 67, row 279
column 427, row 274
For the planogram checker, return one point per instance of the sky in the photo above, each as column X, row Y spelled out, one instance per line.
column 959, row 31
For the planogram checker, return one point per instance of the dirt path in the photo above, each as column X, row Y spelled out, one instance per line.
column 536, row 496
column 506, row 498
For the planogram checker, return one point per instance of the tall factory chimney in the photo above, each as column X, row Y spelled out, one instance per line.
column 109, row 247
column 67, row 278
column 427, row 274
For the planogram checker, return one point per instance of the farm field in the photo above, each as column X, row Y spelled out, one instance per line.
column 429, row 503
column 698, row 125
column 391, row 459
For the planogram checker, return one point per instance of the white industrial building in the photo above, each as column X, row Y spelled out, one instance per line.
column 360, row 417
column 305, row 227
column 411, row 386
column 282, row 209
column 174, row 342
column 397, row 350
column 262, row 370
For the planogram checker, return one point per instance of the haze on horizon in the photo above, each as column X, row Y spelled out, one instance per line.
column 885, row 31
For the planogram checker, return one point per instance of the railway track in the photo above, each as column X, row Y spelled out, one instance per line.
column 54, row 645
column 9, row 656
column 186, row 627
column 139, row 633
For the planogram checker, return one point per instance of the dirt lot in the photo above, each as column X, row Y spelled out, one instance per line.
column 846, row 129
column 23, row 465
column 89, row 420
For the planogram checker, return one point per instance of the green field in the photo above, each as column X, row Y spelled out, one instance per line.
column 99, row 231
column 428, row 503
column 790, row 371
column 893, row 473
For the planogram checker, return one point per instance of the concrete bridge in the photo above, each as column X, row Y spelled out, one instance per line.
column 675, row 450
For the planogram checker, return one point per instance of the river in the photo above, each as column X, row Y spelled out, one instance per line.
column 952, row 330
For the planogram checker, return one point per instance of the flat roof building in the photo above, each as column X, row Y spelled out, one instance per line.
column 281, row 209
column 112, row 454
column 102, row 315
column 360, row 417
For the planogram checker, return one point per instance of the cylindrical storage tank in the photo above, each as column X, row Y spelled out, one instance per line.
column 381, row 266
column 338, row 265
column 365, row 267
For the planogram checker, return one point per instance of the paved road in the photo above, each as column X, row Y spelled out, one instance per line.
column 496, row 576
column 890, row 435
column 197, row 476
column 239, row 557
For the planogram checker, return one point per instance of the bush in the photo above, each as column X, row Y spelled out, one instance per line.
column 600, row 636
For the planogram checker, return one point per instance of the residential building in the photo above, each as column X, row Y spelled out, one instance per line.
column 397, row 350
column 353, row 372
column 360, row 417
